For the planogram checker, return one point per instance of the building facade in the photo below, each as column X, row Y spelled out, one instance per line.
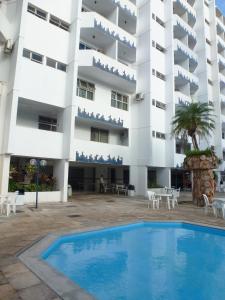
column 92, row 87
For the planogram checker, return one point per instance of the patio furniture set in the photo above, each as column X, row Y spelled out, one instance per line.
column 168, row 194
column 116, row 189
column 8, row 203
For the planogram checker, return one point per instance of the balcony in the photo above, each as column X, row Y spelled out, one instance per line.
column 99, row 23
column 220, row 27
column 221, row 62
column 89, row 152
column 181, row 7
column 182, row 99
column 182, row 53
column 222, row 100
column 93, row 64
column 5, row 28
column 183, row 77
column 104, row 121
column 182, row 29
column 105, row 7
column 220, row 44
column 222, row 83
column 34, row 142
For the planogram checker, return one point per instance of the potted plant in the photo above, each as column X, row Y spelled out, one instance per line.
column 197, row 120
column 131, row 190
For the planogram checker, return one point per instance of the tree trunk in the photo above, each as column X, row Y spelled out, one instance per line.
column 203, row 178
column 203, row 183
column 194, row 142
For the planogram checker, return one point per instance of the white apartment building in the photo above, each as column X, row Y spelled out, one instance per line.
column 92, row 86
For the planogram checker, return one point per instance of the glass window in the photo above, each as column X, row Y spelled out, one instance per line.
column 99, row 135
column 37, row 11
column 61, row 66
column 51, row 62
column 26, row 53
column 85, row 89
column 33, row 56
column 119, row 101
column 36, row 57
column 46, row 123
column 59, row 23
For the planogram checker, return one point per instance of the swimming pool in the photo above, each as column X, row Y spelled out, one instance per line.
column 144, row 261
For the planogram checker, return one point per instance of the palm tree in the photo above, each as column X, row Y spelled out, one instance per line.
column 194, row 120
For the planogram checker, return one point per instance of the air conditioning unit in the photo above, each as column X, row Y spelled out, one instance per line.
column 8, row 48
column 139, row 97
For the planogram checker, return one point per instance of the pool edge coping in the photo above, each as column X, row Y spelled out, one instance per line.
column 59, row 283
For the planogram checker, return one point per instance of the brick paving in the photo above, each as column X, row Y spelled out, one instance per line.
column 83, row 211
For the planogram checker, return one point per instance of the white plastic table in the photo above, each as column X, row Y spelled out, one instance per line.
column 168, row 199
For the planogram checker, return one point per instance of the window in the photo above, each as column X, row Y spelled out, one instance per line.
column 158, row 75
column 210, row 82
column 159, row 104
column 83, row 46
column 160, row 135
column 46, row 123
column 85, row 89
column 99, row 135
column 37, row 11
column 208, row 42
column 36, row 57
column 159, row 21
column 160, row 48
column 59, row 23
column 56, row 64
column 119, row 101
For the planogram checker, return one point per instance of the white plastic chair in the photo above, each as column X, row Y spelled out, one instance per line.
column 152, row 198
column 10, row 204
column 209, row 206
column 175, row 197
column 3, row 199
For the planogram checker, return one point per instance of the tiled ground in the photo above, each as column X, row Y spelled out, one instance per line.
column 29, row 225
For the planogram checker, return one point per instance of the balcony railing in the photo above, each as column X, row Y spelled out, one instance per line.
column 222, row 99
column 107, row 64
column 220, row 26
column 222, row 83
column 126, row 6
column 179, row 47
column 184, row 6
column 184, row 29
column 94, row 64
column 90, row 152
column 94, row 20
column 220, row 44
column 182, row 99
column 37, row 143
column 186, row 77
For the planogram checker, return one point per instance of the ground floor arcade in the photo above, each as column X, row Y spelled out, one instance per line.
column 55, row 177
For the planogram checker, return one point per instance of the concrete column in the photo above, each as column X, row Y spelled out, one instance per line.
column 164, row 177
column 4, row 173
column 61, row 170
column 139, row 178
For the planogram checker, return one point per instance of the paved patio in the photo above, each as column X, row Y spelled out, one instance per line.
column 84, row 211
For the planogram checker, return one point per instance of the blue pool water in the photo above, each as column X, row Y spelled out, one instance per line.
column 144, row 261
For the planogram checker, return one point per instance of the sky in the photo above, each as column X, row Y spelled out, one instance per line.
column 221, row 5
